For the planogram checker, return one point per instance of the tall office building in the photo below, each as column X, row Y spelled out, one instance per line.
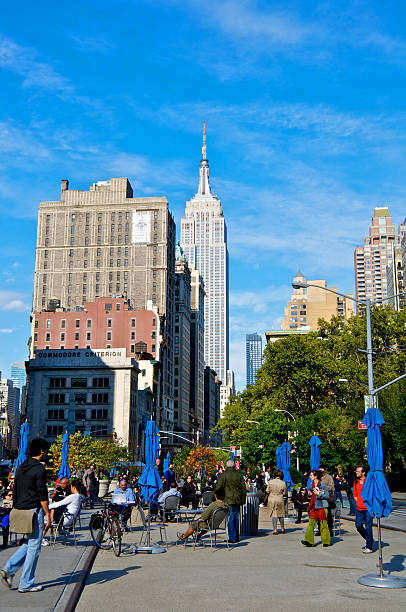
column 19, row 378
column 105, row 243
column 372, row 259
column 253, row 351
column 204, row 242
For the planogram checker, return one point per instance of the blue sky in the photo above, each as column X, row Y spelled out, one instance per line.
column 306, row 121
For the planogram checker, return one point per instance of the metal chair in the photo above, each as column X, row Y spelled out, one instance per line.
column 337, row 524
column 171, row 503
column 59, row 529
column 207, row 498
column 144, row 521
column 217, row 523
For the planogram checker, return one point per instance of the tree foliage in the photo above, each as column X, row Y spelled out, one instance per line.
column 301, row 374
column 200, row 458
column 84, row 450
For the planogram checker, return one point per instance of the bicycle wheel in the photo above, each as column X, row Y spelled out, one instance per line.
column 116, row 536
column 99, row 530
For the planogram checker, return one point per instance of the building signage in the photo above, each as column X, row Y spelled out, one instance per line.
column 79, row 357
column 362, row 425
column 141, row 227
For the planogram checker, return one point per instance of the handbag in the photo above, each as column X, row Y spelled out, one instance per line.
column 22, row 521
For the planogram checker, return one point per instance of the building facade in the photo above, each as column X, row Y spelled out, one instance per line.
column 307, row 305
column 211, row 404
column 89, row 390
column 197, row 347
column 253, row 356
column 374, row 257
column 19, row 378
column 204, row 242
column 183, row 417
column 9, row 414
column 105, row 243
column 395, row 278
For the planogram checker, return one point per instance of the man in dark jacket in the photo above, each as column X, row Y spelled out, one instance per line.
column 30, row 493
column 232, row 483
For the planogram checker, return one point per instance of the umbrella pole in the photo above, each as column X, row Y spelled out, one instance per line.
column 149, row 548
column 381, row 580
column 380, row 548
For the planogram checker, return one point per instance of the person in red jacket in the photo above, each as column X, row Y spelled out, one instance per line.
column 363, row 520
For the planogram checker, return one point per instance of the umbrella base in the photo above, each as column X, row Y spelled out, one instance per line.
column 383, row 582
column 154, row 549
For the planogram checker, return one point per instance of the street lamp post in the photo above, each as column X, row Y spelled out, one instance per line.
column 384, row 581
column 296, row 433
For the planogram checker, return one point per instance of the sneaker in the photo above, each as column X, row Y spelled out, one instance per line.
column 44, row 542
column 305, row 543
column 262, row 505
column 180, row 536
column 6, row 578
column 366, row 550
column 33, row 589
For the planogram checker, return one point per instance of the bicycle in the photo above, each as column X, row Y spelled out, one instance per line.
column 105, row 529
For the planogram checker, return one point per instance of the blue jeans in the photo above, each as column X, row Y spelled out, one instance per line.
column 353, row 506
column 363, row 517
column 233, row 520
column 28, row 554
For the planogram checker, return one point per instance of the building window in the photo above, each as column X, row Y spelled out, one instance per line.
column 98, row 431
column 132, row 348
column 77, row 324
column 101, row 382
column 36, row 324
column 78, row 382
column 110, row 276
column 88, row 336
column 108, row 335
column 56, row 398
column 48, row 324
column 89, row 322
column 109, row 322
column 48, row 337
column 77, row 336
column 80, row 398
column 35, row 337
column 63, row 323
column 153, row 348
column 100, row 398
column 80, row 414
column 85, row 263
column 99, row 413
column 132, row 335
column 118, row 306
column 126, row 263
column 108, row 307
column 56, row 414
column 45, row 265
column 62, row 337
column 118, row 263
column 54, row 430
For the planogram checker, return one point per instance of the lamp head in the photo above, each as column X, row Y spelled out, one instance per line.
column 299, row 285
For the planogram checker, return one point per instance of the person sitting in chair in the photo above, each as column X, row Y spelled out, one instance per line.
column 70, row 505
column 124, row 509
column 204, row 522
column 189, row 493
column 172, row 492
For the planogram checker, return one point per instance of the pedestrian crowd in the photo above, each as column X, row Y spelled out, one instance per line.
column 29, row 508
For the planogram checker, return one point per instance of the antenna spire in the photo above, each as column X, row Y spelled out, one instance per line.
column 204, row 141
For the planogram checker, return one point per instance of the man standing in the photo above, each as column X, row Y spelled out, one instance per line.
column 362, row 516
column 30, row 493
column 90, row 483
column 169, row 476
column 232, row 483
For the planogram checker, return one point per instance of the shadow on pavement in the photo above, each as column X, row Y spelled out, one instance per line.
column 93, row 578
column 396, row 564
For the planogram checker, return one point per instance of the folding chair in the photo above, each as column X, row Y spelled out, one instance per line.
column 207, row 498
column 171, row 503
column 218, row 523
column 337, row 524
column 144, row 521
column 58, row 528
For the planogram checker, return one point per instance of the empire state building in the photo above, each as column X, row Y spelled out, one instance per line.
column 204, row 242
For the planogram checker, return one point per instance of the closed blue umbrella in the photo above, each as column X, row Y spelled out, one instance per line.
column 314, row 444
column 23, row 450
column 232, row 456
column 375, row 492
column 64, row 470
column 376, row 495
column 285, row 464
column 150, row 481
column 113, row 472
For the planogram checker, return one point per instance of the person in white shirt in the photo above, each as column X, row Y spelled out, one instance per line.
column 267, row 476
column 71, row 505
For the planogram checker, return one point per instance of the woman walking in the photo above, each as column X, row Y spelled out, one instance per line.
column 276, row 489
column 317, row 510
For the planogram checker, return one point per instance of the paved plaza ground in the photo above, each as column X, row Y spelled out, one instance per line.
column 261, row 573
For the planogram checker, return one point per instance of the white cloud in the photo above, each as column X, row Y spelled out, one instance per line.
column 6, row 331
column 13, row 301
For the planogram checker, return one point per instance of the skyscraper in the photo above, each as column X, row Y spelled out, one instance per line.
column 253, row 350
column 372, row 259
column 19, row 378
column 204, row 242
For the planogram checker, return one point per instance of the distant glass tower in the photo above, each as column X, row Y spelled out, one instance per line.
column 19, row 378
column 204, row 242
column 253, row 349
